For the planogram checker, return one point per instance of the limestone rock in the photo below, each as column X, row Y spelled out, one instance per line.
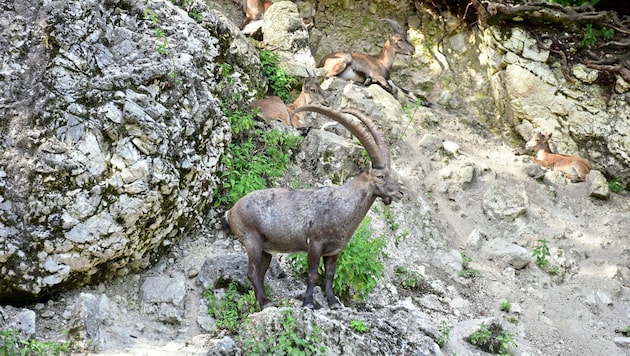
column 598, row 185
column 164, row 296
column 284, row 30
column 514, row 255
column 503, row 202
column 109, row 146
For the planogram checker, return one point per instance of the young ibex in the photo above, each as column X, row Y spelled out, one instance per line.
column 320, row 221
column 273, row 108
column 365, row 68
column 572, row 167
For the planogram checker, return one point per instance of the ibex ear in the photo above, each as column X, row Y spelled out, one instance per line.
column 549, row 135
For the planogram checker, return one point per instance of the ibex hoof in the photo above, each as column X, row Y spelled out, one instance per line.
column 335, row 304
column 268, row 304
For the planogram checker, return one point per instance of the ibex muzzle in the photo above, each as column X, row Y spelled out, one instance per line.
column 319, row 221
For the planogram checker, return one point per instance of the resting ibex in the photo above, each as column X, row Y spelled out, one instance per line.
column 365, row 68
column 273, row 108
column 572, row 167
column 320, row 221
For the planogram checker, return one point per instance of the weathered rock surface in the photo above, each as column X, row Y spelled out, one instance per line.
column 529, row 88
column 109, row 142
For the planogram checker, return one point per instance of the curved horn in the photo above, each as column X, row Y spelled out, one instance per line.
column 376, row 131
column 395, row 26
column 365, row 137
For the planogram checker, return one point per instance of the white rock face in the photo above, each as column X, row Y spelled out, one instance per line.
column 580, row 115
column 109, row 148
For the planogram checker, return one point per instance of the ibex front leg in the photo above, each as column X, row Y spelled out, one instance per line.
column 330, row 263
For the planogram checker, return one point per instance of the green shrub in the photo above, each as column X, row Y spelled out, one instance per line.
column 358, row 326
column 290, row 340
column 591, row 35
column 493, row 339
column 481, row 336
column 256, row 157
column 359, row 266
column 408, row 279
column 444, row 332
column 11, row 344
column 230, row 310
column 541, row 252
column 466, row 271
column 505, row 305
column 279, row 80
column 616, row 185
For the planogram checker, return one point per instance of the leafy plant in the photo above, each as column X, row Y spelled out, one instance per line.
column 481, row 336
column 505, row 340
column 410, row 110
column 160, row 36
column 359, row 266
column 162, row 45
column 280, row 81
column 626, row 332
column 466, row 271
column 505, row 305
column 290, row 340
column 232, row 308
column 256, row 157
column 591, row 35
column 358, row 326
column 616, row 185
column 607, row 33
column 390, row 218
column 541, row 252
column 444, row 332
column 493, row 339
column 409, row 279
column 11, row 344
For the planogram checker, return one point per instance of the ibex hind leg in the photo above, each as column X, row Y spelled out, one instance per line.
column 258, row 263
column 313, row 257
column 330, row 263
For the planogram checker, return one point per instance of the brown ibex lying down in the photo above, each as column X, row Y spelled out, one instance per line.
column 572, row 167
column 319, row 221
column 366, row 68
column 273, row 108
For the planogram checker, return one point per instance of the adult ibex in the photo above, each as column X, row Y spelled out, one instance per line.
column 320, row 221
column 254, row 10
column 572, row 167
column 273, row 108
column 366, row 68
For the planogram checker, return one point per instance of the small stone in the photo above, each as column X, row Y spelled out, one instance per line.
column 192, row 273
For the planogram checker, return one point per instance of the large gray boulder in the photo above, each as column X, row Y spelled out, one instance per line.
column 110, row 135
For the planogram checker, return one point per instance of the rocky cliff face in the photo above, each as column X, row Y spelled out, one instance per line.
column 110, row 135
